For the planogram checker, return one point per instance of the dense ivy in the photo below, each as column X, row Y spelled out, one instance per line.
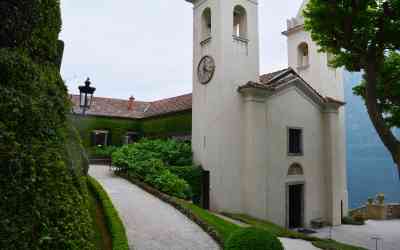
column 117, row 127
column 160, row 127
column 43, row 202
column 164, row 126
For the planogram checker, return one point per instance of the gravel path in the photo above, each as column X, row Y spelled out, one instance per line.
column 387, row 230
column 150, row 223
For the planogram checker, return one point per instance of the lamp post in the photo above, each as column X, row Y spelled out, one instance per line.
column 86, row 95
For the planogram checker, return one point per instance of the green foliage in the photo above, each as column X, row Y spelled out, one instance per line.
column 117, row 127
column 148, row 161
column 169, row 183
column 166, row 125
column 102, row 151
column 32, row 27
column 253, row 238
column 283, row 232
column 43, row 202
column 334, row 245
column 223, row 227
column 388, row 89
column 364, row 36
column 192, row 175
column 114, row 223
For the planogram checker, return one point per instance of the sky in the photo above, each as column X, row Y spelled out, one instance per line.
column 144, row 48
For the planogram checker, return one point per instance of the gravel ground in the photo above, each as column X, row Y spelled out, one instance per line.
column 150, row 223
column 388, row 231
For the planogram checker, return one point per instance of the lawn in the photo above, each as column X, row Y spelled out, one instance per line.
column 102, row 238
column 282, row 232
column 222, row 227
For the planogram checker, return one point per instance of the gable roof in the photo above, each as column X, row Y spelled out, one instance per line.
column 281, row 79
column 273, row 82
column 111, row 107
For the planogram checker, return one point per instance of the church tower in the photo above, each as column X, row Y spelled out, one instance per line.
column 314, row 67
column 311, row 65
column 226, row 55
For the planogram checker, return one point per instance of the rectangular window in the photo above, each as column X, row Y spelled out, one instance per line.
column 295, row 141
column 100, row 138
column 131, row 137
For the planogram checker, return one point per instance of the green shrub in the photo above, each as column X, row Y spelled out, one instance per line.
column 254, row 239
column 102, row 151
column 147, row 161
column 192, row 175
column 114, row 223
column 169, row 183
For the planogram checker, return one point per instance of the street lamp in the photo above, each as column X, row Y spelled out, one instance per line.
column 86, row 95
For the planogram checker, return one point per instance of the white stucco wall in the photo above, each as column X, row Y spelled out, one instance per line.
column 217, row 107
column 305, row 115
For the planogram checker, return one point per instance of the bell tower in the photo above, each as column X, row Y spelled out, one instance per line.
column 225, row 56
column 314, row 67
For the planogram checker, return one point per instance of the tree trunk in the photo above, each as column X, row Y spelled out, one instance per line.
column 375, row 114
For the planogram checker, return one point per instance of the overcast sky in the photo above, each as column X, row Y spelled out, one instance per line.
column 144, row 48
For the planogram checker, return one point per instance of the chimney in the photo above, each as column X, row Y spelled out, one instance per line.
column 131, row 103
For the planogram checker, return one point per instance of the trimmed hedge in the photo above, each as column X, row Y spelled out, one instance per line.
column 254, row 239
column 43, row 201
column 114, row 223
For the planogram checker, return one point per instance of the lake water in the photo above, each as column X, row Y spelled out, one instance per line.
column 370, row 168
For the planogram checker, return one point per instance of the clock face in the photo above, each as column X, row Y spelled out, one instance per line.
column 206, row 69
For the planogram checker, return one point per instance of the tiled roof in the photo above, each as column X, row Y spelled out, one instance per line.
column 170, row 105
column 267, row 77
column 111, row 107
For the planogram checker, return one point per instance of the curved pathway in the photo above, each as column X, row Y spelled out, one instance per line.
column 150, row 223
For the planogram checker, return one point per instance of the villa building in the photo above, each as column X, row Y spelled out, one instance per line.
column 274, row 144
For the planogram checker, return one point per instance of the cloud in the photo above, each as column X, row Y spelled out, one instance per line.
column 144, row 48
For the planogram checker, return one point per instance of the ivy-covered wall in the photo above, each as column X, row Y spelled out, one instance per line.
column 165, row 126
column 162, row 126
column 117, row 127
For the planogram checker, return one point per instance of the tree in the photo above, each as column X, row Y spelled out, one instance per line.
column 43, row 197
column 364, row 35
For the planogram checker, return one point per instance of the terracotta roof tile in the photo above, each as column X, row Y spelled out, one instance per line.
column 112, row 107
column 170, row 105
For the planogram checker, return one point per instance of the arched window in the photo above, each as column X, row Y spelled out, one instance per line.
column 295, row 169
column 206, row 24
column 239, row 22
column 303, row 55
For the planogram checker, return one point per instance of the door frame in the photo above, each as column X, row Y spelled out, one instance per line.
column 294, row 183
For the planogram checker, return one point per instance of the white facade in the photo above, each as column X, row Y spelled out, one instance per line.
column 240, row 131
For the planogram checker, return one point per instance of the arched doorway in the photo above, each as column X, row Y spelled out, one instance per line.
column 295, row 187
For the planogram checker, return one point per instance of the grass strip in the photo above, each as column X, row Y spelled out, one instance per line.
column 113, row 221
column 283, row 232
